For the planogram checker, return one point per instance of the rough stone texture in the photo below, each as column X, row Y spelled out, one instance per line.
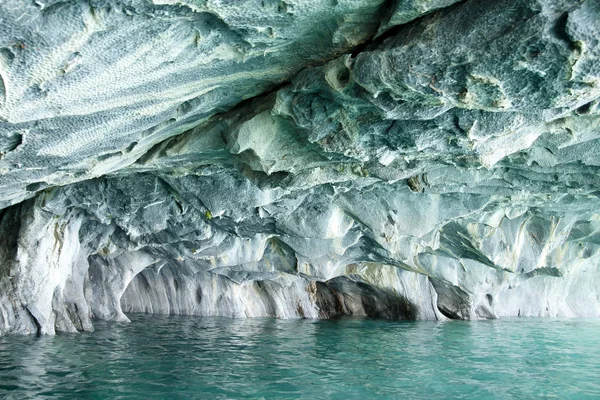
column 426, row 160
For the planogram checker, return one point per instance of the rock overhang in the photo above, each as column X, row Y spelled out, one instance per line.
column 446, row 167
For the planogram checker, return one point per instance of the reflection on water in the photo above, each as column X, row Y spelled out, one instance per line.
column 191, row 357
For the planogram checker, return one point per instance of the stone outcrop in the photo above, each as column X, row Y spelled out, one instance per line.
column 298, row 159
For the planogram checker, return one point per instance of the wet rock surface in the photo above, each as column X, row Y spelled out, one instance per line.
column 308, row 159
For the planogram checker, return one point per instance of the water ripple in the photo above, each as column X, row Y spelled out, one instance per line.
column 219, row 358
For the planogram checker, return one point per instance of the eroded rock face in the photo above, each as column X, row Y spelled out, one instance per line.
column 426, row 160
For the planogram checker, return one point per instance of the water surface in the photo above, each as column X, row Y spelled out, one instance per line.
column 217, row 358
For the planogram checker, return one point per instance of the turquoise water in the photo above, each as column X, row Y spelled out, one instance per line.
column 213, row 358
